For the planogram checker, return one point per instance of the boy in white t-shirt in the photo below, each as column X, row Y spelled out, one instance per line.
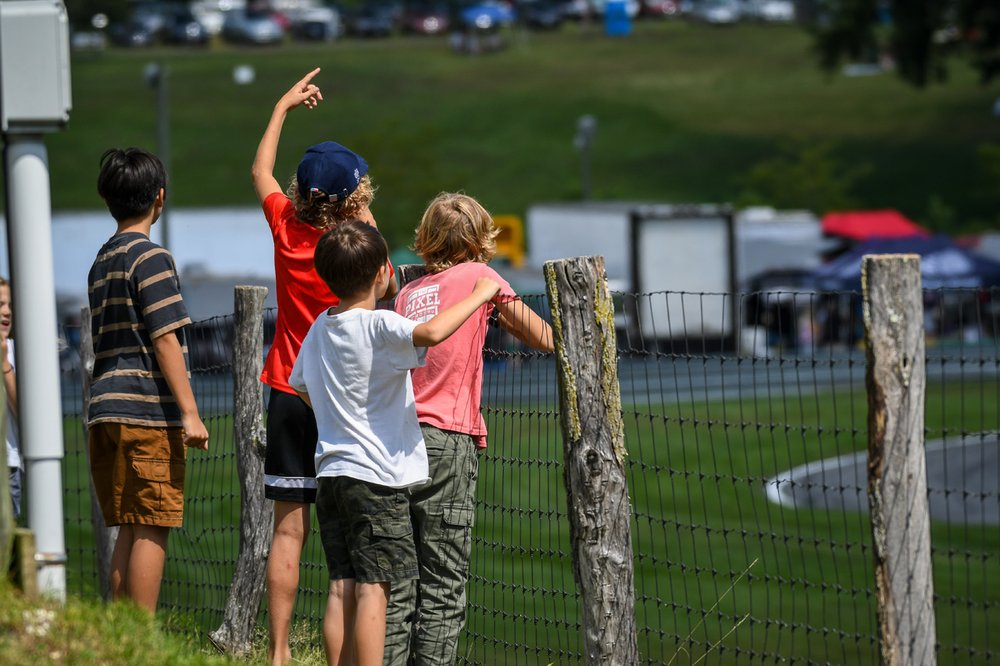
column 354, row 370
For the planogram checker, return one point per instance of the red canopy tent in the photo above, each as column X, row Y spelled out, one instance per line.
column 864, row 224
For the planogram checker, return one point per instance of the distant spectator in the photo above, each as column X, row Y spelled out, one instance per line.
column 15, row 467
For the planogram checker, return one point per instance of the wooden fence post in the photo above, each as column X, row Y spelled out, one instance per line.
column 239, row 621
column 897, row 479
column 409, row 272
column 104, row 536
column 594, row 449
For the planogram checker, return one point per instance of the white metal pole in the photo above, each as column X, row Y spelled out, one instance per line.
column 29, row 230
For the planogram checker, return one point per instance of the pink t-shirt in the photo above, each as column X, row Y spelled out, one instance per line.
column 449, row 387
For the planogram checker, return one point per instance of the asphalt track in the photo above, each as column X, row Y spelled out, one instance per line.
column 963, row 475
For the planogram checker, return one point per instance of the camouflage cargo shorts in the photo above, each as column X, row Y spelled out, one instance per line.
column 366, row 531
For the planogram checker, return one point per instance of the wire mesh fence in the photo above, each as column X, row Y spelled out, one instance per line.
column 746, row 465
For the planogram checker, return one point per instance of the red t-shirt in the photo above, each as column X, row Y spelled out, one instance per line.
column 449, row 387
column 301, row 294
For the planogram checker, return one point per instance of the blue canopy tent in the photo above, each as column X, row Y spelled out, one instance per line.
column 943, row 264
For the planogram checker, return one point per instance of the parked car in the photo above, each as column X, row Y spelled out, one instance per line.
column 211, row 14
column 426, row 19
column 319, row 24
column 131, row 34
column 717, row 12
column 88, row 40
column 487, row 15
column 660, row 8
column 541, row 14
column 153, row 16
column 183, row 28
column 773, row 11
column 632, row 7
column 575, row 10
column 245, row 27
column 370, row 20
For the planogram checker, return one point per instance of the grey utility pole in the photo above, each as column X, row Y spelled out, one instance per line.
column 156, row 76
column 586, row 127
column 34, row 101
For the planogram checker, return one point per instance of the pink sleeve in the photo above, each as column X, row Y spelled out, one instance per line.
column 507, row 293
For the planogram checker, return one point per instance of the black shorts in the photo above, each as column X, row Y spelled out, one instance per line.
column 290, row 457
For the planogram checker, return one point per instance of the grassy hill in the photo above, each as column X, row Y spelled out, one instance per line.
column 685, row 113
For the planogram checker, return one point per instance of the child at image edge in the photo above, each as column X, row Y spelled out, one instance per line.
column 354, row 369
column 331, row 184
column 455, row 238
column 142, row 413
column 14, row 466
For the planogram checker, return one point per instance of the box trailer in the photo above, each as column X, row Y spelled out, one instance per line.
column 673, row 266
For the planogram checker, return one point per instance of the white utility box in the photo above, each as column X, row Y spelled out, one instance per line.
column 35, row 92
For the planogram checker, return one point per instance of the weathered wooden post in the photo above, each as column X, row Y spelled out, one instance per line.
column 104, row 536
column 897, row 479
column 594, row 449
column 239, row 620
column 409, row 272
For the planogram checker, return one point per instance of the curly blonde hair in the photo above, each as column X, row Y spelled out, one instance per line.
column 454, row 229
column 325, row 214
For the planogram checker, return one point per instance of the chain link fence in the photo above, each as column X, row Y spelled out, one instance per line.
column 746, row 468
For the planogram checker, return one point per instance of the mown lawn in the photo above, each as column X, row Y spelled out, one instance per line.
column 684, row 112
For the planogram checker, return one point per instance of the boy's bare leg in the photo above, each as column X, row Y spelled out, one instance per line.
column 337, row 623
column 120, row 556
column 291, row 528
column 369, row 623
column 145, row 565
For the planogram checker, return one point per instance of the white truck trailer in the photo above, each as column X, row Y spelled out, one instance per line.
column 680, row 258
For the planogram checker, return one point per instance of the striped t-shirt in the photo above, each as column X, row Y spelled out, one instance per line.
column 134, row 297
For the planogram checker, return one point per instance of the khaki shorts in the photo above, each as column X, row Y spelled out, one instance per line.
column 138, row 473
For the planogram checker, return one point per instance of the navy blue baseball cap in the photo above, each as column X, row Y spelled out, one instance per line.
column 330, row 171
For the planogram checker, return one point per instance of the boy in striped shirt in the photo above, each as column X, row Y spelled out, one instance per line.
column 142, row 414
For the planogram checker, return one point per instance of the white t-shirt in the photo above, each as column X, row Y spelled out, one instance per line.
column 13, row 451
column 355, row 366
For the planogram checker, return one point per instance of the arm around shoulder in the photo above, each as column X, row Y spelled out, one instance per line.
column 440, row 327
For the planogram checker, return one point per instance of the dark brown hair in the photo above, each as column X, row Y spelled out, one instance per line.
column 129, row 181
column 348, row 257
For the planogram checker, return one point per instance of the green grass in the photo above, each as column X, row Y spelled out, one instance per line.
column 87, row 632
column 683, row 113
column 696, row 473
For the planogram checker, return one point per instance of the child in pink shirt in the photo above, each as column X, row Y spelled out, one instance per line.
column 455, row 238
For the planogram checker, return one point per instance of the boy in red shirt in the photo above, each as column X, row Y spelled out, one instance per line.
column 331, row 185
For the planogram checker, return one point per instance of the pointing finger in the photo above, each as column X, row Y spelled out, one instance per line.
column 309, row 77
